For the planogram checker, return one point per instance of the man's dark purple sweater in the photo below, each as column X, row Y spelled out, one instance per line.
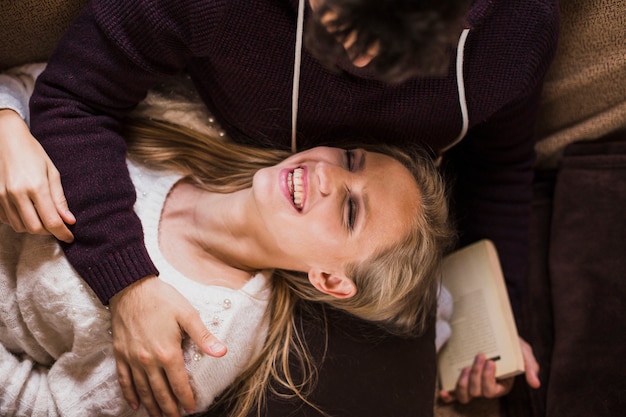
column 240, row 55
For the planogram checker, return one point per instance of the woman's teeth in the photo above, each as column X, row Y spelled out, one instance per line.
column 296, row 186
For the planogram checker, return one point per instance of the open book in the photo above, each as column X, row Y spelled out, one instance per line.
column 482, row 320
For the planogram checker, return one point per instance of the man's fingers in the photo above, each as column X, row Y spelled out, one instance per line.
column 161, row 393
column 179, row 385
column 152, row 347
column 142, row 387
column 197, row 331
column 126, row 383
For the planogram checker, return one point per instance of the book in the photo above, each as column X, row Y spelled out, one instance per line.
column 482, row 319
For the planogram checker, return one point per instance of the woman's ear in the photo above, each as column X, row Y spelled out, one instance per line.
column 336, row 284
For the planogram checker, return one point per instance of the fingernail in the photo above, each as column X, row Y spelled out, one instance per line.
column 217, row 347
column 134, row 406
column 189, row 411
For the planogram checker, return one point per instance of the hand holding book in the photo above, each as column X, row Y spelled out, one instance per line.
column 484, row 351
column 480, row 380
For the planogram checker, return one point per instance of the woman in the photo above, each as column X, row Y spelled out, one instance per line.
column 244, row 234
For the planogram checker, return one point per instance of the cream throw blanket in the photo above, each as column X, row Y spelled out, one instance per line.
column 584, row 95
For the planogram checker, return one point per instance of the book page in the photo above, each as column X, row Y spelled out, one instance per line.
column 471, row 324
column 482, row 320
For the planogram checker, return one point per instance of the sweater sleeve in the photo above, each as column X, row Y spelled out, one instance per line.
column 492, row 175
column 94, row 78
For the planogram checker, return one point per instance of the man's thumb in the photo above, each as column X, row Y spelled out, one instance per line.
column 202, row 337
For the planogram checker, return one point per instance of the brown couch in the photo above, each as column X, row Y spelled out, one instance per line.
column 577, row 285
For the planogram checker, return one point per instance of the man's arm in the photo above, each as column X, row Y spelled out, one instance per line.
column 76, row 113
column 91, row 82
column 492, row 172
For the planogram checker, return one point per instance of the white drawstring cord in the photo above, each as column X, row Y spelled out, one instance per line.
column 460, row 85
column 296, row 75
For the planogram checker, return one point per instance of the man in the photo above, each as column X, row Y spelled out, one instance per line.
column 403, row 72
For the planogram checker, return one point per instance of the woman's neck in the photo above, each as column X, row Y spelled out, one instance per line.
column 206, row 236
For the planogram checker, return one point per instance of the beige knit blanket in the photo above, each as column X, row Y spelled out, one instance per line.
column 29, row 29
column 585, row 91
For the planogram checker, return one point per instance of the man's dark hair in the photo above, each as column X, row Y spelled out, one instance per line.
column 414, row 36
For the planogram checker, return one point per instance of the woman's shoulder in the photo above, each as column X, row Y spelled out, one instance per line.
column 151, row 181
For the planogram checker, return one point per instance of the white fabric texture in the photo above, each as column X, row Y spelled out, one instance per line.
column 16, row 86
column 56, row 356
column 443, row 331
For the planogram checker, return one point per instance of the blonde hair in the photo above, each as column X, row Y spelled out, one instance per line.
column 396, row 287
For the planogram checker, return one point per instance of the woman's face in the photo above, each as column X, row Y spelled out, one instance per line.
column 326, row 207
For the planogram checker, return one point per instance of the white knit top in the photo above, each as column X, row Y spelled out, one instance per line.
column 56, row 356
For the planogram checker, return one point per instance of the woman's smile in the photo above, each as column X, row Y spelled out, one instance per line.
column 296, row 185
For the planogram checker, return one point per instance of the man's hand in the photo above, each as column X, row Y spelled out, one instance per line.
column 31, row 195
column 148, row 322
column 480, row 379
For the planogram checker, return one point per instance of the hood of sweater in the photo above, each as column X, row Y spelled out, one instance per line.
column 479, row 10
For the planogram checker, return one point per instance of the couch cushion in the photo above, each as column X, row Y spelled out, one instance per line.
column 588, row 277
column 30, row 29
column 584, row 96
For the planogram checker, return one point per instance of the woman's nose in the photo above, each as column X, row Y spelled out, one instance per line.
column 330, row 177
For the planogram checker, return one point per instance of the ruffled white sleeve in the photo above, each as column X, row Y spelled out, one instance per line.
column 443, row 331
column 16, row 87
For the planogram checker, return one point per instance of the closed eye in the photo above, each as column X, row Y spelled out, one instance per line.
column 349, row 159
column 352, row 209
column 352, row 212
column 351, row 204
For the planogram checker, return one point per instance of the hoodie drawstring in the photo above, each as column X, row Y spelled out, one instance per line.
column 296, row 75
column 460, row 85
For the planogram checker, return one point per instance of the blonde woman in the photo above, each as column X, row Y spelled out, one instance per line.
column 244, row 234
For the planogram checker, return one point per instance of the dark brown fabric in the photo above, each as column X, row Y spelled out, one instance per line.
column 364, row 374
column 577, row 286
column 30, row 29
column 588, row 279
